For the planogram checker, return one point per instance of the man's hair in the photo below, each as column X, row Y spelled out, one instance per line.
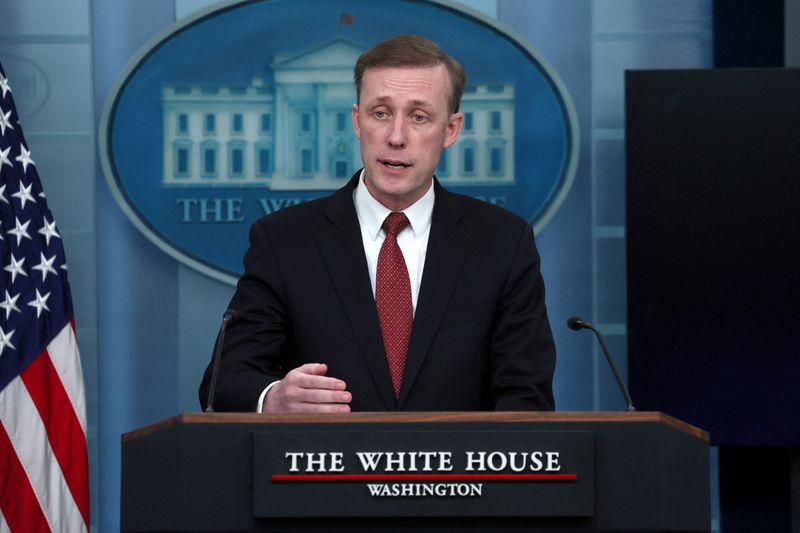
column 412, row 51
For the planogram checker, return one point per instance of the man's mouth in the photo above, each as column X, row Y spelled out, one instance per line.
column 394, row 164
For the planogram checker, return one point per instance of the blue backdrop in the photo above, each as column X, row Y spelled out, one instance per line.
column 146, row 323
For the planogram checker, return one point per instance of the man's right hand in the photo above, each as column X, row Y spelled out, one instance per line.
column 307, row 389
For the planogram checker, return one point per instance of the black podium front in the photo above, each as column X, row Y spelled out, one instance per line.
column 381, row 471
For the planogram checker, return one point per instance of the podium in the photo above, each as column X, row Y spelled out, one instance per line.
column 520, row 471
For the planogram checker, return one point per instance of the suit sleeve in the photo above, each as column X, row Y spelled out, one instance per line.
column 523, row 352
column 254, row 341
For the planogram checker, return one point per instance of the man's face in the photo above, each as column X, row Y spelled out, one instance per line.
column 403, row 122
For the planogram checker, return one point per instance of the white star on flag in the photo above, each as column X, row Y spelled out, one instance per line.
column 4, row 85
column 5, row 340
column 15, row 267
column 24, row 194
column 10, row 304
column 24, row 157
column 21, row 231
column 46, row 266
column 3, row 194
column 4, row 160
column 40, row 303
column 49, row 230
column 5, row 122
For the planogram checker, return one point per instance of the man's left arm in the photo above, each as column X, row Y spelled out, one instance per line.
column 522, row 348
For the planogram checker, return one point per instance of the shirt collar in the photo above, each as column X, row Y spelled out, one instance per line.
column 371, row 213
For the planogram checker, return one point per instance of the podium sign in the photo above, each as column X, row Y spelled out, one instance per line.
column 436, row 472
column 430, row 471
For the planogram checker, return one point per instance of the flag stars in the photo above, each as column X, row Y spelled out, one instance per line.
column 10, row 304
column 5, row 340
column 4, row 86
column 24, row 157
column 15, row 268
column 46, row 266
column 40, row 303
column 5, row 122
column 20, row 231
column 49, row 230
column 24, row 194
column 3, row 194
column 4, row 160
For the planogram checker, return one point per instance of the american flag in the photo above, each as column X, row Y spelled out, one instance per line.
column 44, row 479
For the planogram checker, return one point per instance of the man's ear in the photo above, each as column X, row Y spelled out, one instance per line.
column 453, row 129
column 354, row 118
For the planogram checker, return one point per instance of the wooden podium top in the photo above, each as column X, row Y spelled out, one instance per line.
column 398, row 417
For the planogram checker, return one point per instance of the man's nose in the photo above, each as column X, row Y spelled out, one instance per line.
column 398, row 132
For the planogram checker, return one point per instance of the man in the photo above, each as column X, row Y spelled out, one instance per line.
column 393, row 293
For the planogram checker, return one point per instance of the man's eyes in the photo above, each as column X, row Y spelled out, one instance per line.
column 416, row 117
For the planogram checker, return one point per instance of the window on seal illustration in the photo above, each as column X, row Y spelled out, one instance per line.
column 263, row 160
column 209, row 123
column 237, row 123
column 305, row 161
column 341, row 169
column 341, row 121
column 441, row 169
column 305, row 122
column 209, row 159
column 236, row 159
column 468, row 158
column 497, row 157
column 181, row 158
column 469, row 118
column 182, row 126
column 496, row 124
column 266, row 123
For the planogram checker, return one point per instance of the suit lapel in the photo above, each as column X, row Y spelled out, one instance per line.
column 448, row 245
column 339, row 240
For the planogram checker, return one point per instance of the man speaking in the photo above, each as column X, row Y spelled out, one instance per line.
column 392, row 293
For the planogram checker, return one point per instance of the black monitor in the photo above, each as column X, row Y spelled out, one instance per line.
column 713, row 249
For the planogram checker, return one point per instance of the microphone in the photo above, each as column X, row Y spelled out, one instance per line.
column 229, row 315
column 576, row 323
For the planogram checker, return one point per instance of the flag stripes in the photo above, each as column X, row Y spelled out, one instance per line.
column 66, row 436
column 63, row 350
column 19, row 507
column 24, row 415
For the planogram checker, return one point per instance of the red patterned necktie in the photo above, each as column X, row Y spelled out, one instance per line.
column 393, row 299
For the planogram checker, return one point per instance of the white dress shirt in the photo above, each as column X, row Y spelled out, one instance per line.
column 413, row 240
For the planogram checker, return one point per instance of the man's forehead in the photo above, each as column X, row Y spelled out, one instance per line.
column 405, row 80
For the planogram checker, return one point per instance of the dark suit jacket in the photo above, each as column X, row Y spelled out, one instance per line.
column 481, row 339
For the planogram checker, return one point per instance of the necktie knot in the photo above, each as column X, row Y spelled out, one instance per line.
column 395, row 223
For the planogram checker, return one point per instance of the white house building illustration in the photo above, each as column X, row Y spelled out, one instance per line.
column 296, row 134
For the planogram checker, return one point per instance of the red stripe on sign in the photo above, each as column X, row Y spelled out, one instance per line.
column 426, row 477
column 17, row 500
column 63, row 428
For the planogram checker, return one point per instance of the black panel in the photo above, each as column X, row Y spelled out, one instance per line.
column 754, row 489
column 713, row 242
column 749, row 33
